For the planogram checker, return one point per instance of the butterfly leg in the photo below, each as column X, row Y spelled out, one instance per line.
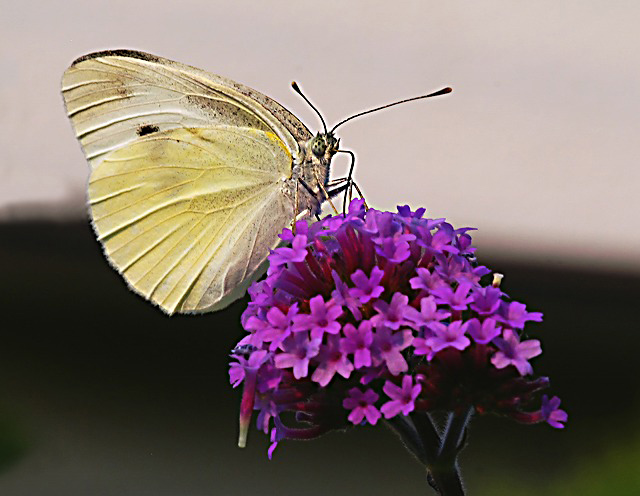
column 335, row 182
column 296, row 208
column 355, row 185
column 349, row 179
column 312, row 193
column 326, row 195
column 337, row 186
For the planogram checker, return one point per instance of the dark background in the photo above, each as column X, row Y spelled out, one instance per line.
column 102, row 394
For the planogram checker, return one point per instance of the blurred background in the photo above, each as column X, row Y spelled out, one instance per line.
column 537, row 146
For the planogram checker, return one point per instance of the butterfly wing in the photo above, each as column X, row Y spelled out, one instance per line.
column 114, row 97
column 188, row 215
column 188, row 189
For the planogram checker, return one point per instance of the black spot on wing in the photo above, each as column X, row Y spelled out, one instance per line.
column 118, row 53
column 147, row 129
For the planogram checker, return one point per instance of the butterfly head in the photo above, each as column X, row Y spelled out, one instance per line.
column 323, row 146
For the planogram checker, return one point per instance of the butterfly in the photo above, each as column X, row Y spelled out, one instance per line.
column 193, row 175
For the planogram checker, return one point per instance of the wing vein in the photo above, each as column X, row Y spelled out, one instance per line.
column 169, row 188
column 242, row 231
column 74, row 86
column 150, row 247
column 112, row 86
column 213, row 237
column 114, row 194
column 168, row 75
column 179, row 259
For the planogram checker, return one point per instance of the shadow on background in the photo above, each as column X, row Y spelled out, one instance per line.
column 101, row 394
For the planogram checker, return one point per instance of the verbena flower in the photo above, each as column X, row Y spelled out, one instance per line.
column 374, row 314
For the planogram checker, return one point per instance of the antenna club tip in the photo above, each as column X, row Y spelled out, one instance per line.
column 448, row 89
column 294, row 85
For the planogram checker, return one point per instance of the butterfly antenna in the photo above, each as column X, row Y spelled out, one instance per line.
column 297, row 89
column 443, row 91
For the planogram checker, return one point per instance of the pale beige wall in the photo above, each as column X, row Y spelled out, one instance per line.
column 537, row 146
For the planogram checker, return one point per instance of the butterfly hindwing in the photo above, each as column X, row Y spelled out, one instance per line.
column 187, row 215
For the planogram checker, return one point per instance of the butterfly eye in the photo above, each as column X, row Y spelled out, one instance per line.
column 318, row 146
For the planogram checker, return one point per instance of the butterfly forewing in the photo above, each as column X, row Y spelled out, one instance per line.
column 113, row 97
column 187, row 189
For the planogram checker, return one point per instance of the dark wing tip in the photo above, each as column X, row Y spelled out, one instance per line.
column 117, row 53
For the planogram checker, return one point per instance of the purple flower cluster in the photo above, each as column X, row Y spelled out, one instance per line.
column 377, row 314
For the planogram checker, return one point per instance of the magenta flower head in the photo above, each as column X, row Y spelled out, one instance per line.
column 376, row 315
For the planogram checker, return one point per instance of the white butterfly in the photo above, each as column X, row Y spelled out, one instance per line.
column 193, row 176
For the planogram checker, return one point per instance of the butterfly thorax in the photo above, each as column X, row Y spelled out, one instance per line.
column 314, row 166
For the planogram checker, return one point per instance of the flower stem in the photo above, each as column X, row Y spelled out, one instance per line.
column 445, row 472
column 453, row 434
column 447, row 483
column 408, row 434
column 437, row 453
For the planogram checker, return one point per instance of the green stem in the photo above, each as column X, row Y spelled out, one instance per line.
column 445, row 472
column 438, row 453
column 406, row 431
column 447, row 482
column 453, row 434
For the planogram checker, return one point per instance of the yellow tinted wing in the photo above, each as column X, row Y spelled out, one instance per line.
column 188, row 215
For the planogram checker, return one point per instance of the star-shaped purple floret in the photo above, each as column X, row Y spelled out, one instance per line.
column 394, row 250
column 452, row 268
column 333, row 359
column 484, row 332
column 457, row 300
column 448, row 336
column 279, row 326
column 261, row 300
column 298, row 351
column 486, row 300
column 439, row 242
column 342, row 296
column 302, row 227
column 367, row 288
column 388, row 346
column 321, row 319
column 420, row 347
column 297, row 252
column 391, row 314
column 428, row 313
column 515, row 314
column 405, row 211
column 552, row 413
column 463, row 240
column 425, row 280
column 516, row 353
column 362, row 406
column 402, row 398
column 386, row 226
column 358, row 342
